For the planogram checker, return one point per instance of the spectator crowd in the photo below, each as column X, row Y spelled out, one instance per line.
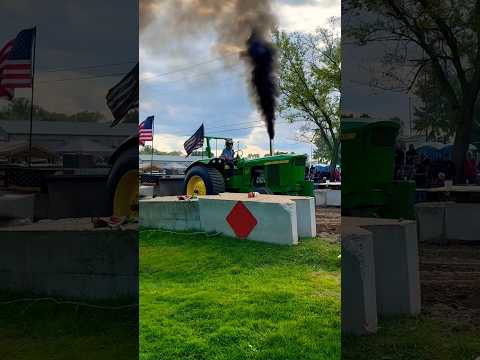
column 410, row 165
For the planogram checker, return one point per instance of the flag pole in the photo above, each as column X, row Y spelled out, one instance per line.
column 31, row 98
column 153, row 135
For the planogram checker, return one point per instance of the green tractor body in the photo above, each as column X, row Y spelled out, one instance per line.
column 368, row 161
column 279, row 174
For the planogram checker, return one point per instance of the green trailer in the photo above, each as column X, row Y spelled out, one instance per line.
column 279, row 174
column 368, row 161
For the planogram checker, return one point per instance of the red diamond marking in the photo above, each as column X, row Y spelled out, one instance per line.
column 241, row 220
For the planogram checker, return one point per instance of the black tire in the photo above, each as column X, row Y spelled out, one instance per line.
column 213, row 179
column 125, row 162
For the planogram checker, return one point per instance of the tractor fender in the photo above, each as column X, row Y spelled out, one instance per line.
column 132, row 141
column 211, row 163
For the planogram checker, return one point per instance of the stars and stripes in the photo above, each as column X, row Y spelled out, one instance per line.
column 195, row 142
column 145, row 130
column 16, row 63
column 123, row 97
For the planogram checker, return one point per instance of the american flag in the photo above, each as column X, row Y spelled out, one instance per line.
column 123, row 97
column 16, row 63
column 145, row 130
column 195, row 142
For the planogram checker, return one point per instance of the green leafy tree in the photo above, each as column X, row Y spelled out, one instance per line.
column 310, row 68
column 441, row 34
column 19, row 109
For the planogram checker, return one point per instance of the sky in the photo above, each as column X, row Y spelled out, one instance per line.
column 82, row 49
column 182, row 95
column 362, row 65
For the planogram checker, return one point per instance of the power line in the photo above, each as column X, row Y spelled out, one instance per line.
column 82, row 78
column 88, row 67
column 187, row 67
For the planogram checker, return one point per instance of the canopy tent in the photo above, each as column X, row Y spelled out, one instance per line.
column 435, row 151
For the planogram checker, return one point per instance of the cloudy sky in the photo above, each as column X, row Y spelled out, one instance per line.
column 82, row 50
column 362, row 65
column 184, row 83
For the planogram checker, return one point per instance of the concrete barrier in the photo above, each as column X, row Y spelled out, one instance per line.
column 328, row 197
column 431, row 222
column 76, row 262
column 146, row 190
column 306, row 221
column 359, row 305
column 265, row 218
column 439, row 222
column 462, row 222
column 279, row 219
column 167, row 212
column 17, row 206
column 320, row 198
column 397, row 279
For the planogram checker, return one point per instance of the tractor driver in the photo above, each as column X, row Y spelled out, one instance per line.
column 228, row 154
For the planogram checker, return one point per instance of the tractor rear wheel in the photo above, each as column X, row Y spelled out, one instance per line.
column 122, row 184
column 202, row 180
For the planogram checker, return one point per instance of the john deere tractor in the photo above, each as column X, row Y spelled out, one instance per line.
column 279, row 174
column 368, row 160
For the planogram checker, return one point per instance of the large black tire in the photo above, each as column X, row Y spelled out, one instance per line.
column 125, row 162
column 213, row 179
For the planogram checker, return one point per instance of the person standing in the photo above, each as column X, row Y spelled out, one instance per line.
column 410, row 156
column 470, row 169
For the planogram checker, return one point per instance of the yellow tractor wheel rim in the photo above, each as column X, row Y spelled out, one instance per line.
column 196, row 185
column 125, row 200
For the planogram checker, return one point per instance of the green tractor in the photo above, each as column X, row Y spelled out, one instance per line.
column 368, row 161
column 279, row 174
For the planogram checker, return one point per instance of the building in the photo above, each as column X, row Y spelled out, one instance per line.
column 61, row 137
column 167, row 164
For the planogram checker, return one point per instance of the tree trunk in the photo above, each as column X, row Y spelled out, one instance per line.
column 463, row 135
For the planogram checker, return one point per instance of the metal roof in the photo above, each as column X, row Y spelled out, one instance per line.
column 42, row 127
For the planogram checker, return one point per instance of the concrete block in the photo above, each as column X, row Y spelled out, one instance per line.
column 306, row 221
column 320, row 197
column 169, row 213
column 334, row 198
column 462, row 221
column 276, row 217
column 359, row 306
column 431, row 222
column 83, row 264
column 397, row 276
column 17, row 206
column 146, row 191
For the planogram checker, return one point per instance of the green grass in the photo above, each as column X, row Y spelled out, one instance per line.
column 219, row 298
column 45, row 330
column 420, row 338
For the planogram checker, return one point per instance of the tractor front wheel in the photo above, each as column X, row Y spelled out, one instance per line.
column 202, row 180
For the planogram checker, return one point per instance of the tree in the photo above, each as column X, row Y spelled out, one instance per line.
column 433, row 116
column 441, row 34
column 19, row 109
column 310, row 86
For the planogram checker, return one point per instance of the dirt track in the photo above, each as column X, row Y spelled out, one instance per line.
column 450, row 281
column 328, row 220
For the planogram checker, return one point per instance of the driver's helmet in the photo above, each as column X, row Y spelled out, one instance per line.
column 229, row 142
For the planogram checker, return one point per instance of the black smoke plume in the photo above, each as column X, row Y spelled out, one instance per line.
column 242, row 28
column 261, row 55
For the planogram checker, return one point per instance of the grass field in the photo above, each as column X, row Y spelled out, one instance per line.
column 44, row 330
column 217, row 298
column 419, row 338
